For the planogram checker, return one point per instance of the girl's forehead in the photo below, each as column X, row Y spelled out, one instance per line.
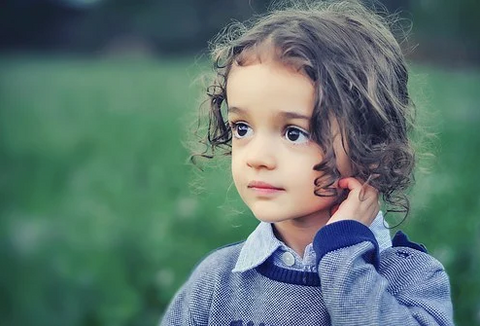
column 270, row 88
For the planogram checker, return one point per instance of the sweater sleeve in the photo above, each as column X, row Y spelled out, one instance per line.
column 178, row 312
column 402, row 286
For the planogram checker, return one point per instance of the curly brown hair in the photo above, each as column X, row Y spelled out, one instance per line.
column 360, row 76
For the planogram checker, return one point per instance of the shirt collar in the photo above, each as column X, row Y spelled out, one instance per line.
column 381, row 231
column 262, row 243
column 259, row 245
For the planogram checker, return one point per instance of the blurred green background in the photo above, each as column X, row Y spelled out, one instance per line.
column 101, row 216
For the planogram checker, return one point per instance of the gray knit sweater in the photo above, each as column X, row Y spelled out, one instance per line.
column 355, row 285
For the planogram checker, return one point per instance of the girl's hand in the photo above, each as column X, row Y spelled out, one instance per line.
column 361, row 204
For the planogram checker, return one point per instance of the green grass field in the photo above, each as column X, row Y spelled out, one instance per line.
column 99, row 220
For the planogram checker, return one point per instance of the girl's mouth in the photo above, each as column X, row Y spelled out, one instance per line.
column 264, row 187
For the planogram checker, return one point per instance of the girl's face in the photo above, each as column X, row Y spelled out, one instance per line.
column 269, row 110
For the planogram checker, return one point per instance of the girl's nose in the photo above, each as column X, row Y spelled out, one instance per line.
column 260, row 154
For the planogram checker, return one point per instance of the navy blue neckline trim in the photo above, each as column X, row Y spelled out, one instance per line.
column 273, row 272
column 401, row 240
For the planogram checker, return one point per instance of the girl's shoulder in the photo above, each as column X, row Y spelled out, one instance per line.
column 218, row 262
column 408, row 264
column 401, row 240
column 192, row 303
column 403, row 250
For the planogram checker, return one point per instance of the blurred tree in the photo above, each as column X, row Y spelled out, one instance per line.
column 448, row 30
column 444, row 29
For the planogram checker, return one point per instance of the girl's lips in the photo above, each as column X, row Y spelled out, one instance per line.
column 264, row 187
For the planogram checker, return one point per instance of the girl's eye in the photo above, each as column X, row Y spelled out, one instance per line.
column 296, row 135
column 241, row 130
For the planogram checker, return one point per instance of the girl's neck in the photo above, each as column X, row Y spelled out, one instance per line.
column 299, row 233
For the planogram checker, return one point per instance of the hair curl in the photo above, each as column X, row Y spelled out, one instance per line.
column 360, row 76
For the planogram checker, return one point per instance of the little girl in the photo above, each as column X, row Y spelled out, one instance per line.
column 312, row 104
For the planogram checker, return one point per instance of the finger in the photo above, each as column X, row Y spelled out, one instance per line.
column 367, row 192
column 361, row 193
column 352, row 184
column 349, row 183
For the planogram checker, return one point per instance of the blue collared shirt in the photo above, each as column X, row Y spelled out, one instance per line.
column 262, row 244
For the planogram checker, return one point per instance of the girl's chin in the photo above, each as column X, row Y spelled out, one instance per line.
column 270, row 218
column 276, row 218
column 310, row 219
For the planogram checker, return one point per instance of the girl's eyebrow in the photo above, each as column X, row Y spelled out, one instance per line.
column 233, row 109
column 287, row 115
column 294, row 115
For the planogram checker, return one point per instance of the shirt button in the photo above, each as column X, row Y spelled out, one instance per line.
column 288, row 259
